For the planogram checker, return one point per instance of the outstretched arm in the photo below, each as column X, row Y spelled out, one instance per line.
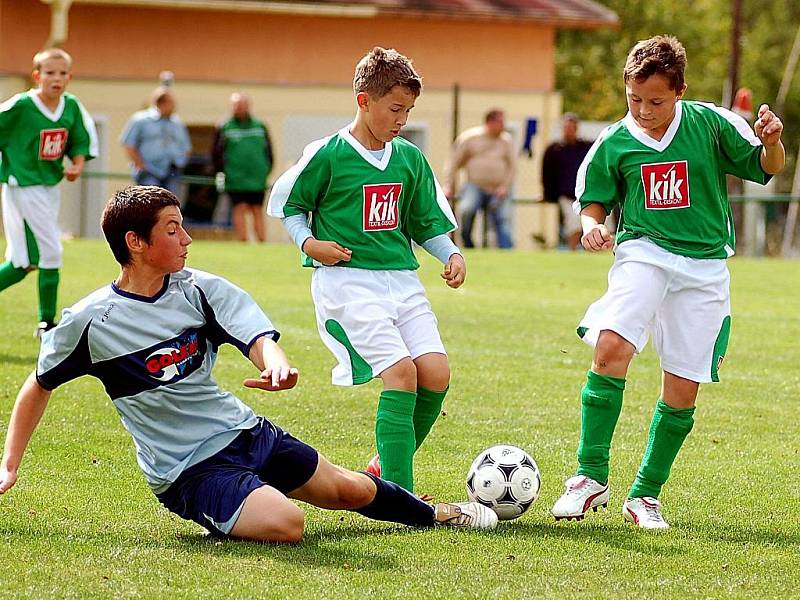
column 28, row 409
column 270, row 359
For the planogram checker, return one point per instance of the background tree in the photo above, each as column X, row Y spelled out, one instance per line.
column 589, row 64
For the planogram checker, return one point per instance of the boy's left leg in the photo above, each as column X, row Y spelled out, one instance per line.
column 672, row 421
column 433, row 382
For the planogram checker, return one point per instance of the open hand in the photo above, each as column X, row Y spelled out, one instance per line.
column 274, row 379
column 597, row 238
column 455, row 271
column 768, row 126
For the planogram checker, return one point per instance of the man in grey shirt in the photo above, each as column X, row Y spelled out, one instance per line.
column 157, row 143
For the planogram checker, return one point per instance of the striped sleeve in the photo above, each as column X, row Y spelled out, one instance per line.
column 300, row 188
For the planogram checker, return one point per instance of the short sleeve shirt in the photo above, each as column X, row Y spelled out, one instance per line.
column 373, row 206
column 674, row 190
column 154, row 355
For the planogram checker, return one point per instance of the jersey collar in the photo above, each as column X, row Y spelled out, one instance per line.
column 139, row 297
column 53, row 116
column 366, row 154
column 669, row 135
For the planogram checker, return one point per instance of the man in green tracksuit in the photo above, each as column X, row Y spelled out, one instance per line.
column 243, row 152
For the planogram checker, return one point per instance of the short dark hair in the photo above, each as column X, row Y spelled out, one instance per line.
column 493, row 114
column 381, row 69
column 660, row 55
column 135, row 209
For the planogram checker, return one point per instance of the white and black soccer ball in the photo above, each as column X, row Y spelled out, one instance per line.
column 504, row 478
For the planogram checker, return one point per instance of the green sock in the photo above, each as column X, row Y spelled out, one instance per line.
column 601, row 403
column 9, row 275
column 668, row 430
column 426, row 411
column 394, row 434
column 48, row 294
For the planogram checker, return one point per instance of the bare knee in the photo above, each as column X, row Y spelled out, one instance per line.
column 288, row 530
column 433, row 371
column 612, row 354
column 401, row 376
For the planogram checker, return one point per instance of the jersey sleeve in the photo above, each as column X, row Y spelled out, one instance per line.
column 299, row 190
column 232, row 316
column 598, row 181
column 83, row 139
column 740, row 148
column 429, row 210
column 65, row 353
column 8, row 116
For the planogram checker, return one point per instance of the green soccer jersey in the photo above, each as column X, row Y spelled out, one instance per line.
column 34, row 140
column 373, row 206
column 674, row 191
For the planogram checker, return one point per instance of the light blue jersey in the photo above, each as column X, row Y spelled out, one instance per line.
column 154, row 355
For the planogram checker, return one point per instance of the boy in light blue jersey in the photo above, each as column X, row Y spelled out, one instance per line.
column 151, row 338
column 665, row 164
column 354, row 204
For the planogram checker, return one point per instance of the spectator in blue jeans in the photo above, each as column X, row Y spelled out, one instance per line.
column 486, row 154
column 157, row 143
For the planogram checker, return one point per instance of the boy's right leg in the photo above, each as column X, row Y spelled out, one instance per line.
column 601, row 403
column 336, row 488
column 269, row 516
column 394, row 424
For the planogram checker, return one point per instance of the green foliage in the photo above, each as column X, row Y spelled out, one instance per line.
column 82, row 523
column 589, row 63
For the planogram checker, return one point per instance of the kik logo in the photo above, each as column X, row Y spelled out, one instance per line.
column 381, row 206
column 666, row 185
column 52, row 143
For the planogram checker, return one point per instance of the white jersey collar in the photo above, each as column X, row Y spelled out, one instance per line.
column 53, row 116
column 379, row 164
column 669, row 135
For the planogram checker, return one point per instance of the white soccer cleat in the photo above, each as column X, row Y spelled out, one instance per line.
column 644, row 512
column 465, row 514
column 582, row 493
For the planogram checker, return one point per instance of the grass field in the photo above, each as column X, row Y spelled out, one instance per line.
column 82, row 522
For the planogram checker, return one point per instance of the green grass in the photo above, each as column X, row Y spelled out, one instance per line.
column 82, row 522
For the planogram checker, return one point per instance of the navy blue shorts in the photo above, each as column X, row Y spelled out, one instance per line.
column 212, row 492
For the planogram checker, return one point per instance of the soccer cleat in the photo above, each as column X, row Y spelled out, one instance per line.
column 644, row 512
column 374, row 466
column 42, row 327
column 465, row 514
column 582, row 493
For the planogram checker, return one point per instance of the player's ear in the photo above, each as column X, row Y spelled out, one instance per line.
column 36, row 76
column 134, row 242
column 362, row 99
column 681, row 91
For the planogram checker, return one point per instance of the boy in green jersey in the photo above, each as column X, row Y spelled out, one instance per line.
column 665, row 163
column 353, row 204
column 37, row 129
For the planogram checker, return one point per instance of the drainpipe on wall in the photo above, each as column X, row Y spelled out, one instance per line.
column 59, row 21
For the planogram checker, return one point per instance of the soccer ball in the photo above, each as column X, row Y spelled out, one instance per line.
column 504, row 478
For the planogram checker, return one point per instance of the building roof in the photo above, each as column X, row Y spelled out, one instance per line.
column 562, row 13
column 568, row 14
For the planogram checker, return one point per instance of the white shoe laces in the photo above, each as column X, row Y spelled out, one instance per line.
column 576, row 489
column 652, row 510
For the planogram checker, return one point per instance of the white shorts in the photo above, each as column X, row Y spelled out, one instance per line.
column 684, row 303
column 572, row 221
column 37, row 207
column 370, row 320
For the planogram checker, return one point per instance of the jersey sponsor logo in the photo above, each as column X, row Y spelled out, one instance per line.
column 381, row 205
column 180, row 358
column 666, row 185
column 52, row 143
